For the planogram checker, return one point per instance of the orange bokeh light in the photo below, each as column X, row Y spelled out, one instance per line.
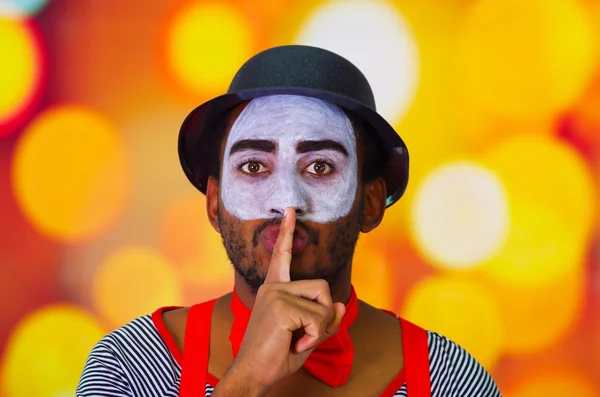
column 554, row 381
column 373, row 273
column 463, row 310
column 536, row 318
column 190, row 242
column 514, row 57
column 71, row 185
column 132, row 282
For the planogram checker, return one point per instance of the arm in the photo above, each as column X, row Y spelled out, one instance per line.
column 237, row 383
column 458, row 372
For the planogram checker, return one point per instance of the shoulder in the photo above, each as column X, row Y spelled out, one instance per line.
column 455, row 372
column 122, row 357
column 138, row 338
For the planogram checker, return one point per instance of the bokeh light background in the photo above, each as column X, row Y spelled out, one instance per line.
column 495, row 243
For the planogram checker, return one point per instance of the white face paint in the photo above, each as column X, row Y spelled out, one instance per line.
column 284, row 155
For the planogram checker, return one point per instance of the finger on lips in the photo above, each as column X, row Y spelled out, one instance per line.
column 279, row 268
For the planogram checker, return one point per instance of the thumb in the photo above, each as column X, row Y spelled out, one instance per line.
column 339, row 312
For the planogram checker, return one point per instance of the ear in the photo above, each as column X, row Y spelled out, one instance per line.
column 212, row 203
column 374, row 198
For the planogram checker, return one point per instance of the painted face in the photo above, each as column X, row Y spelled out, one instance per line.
column 288, row 150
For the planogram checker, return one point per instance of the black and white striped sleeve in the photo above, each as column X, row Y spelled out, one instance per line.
column 455, row 372
column 103, row 375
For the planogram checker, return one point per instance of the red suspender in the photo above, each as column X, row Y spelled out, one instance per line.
column 416, row 359
column 197, row 346
column 195, row 350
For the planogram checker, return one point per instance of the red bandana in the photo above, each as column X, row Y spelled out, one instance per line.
column 330, row 362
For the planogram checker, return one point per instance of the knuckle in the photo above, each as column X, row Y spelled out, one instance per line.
column 323, row 286
column 324, row 313
column 277, row 303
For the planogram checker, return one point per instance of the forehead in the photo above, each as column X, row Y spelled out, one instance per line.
column 290, row 118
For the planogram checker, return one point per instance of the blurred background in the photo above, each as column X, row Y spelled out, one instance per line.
column 495, row 243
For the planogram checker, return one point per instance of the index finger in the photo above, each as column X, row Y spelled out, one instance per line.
column 279, row 268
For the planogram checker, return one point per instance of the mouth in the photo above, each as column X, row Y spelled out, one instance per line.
column 269, row 237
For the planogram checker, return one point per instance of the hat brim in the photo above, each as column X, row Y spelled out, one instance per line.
column 197, row 125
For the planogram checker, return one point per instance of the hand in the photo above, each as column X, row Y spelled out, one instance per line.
column 268, row 352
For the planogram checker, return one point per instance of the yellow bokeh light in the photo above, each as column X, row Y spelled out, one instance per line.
column 538, row 250
column 19, row 67
column 535, row 318
column 49, row 345
column 70, row 173
column 373, row 273
column 552, row 211
column 559, row 382
column 515, row 55
column 541, row 169
column 132, row 282
column 205, row 45
column 462, row 310
column 460, row 215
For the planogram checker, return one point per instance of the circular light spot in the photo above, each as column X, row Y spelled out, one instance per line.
column 375, row 37
column 539, row 248
column 206, row 43
column 460, row 309
column 560, row 382
column 20, row 72
column 189, row 240
column 373, row 274
column 21, row 8
column 460, row 215
column 535, row 318
column 544, row 170
column 132, row 282
column 50, row 345
column 70, row 173
column 515, row 56
column 552, row 210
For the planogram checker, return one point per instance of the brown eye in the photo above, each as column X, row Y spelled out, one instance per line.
column 253, row 167
column 319, row 168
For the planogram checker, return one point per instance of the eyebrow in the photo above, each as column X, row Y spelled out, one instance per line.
column 253, row 144
column 326, row 144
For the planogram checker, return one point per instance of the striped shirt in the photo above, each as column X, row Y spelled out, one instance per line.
column 134, row 360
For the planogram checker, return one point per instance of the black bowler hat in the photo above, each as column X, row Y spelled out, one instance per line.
column 293, row 70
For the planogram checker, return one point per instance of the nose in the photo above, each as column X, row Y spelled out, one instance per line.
column 288, row 193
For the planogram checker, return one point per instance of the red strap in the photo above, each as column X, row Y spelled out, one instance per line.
column 416, row 359
column 196, row 350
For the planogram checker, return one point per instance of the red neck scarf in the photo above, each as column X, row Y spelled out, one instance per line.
column 330, row 362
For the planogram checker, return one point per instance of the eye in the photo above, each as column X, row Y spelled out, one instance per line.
column 319, row 168
column 253, row 167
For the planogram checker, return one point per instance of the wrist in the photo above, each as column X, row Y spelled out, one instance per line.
column 239, row 381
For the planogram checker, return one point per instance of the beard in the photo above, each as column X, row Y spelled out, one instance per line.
column 243, row 254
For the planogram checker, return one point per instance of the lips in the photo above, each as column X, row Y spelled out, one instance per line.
column 270, row 234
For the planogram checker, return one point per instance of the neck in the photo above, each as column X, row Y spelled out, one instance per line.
column 340, row 292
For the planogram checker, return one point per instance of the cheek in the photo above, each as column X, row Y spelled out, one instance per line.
column 332, row 199
column 242, row 197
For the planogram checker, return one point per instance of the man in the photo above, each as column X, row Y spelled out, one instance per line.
column 295, row 162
